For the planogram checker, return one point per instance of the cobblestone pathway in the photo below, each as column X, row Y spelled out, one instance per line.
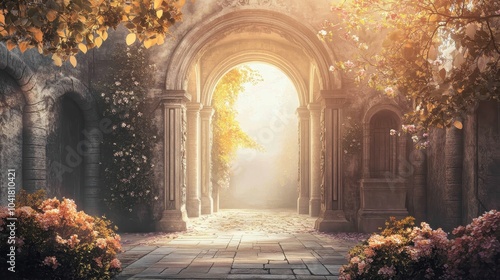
column 238, row 244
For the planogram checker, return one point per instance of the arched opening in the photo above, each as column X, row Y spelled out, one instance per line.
column 71, row 128
column 65, row 149
column 266, row 179
column 383, row 146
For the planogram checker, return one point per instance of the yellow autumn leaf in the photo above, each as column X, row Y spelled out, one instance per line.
column 37, row 33
column 82, row 47
column 179, row 3
column 23, row 46
column 10, row 45
column 72, row 60
column 130, row 39
column 104, row 35
column 458, row 124
column 150, row 42
column 98, row 41
column 157, row 4
column 57, row 60
column 127, row 9
column 161, row 39
column 159, row 13
column 51, row 15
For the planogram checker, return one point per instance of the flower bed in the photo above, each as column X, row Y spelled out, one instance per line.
column 55, row 241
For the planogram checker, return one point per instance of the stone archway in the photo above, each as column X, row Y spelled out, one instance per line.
column 200, row 59
column 81, row 156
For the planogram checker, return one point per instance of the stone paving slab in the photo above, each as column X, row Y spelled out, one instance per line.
column 238, row 244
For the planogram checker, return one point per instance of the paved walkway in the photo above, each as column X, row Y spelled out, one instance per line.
column 238, row 244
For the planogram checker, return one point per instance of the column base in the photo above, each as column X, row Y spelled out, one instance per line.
column 303, row 205
column 207, row 205
column 371, row 220
column 193, row 207
column 314, row 207
column 91, row 201
column 172, row 221
column 333, row 221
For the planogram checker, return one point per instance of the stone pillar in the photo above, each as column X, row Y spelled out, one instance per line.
column 418, row 159
column 314, row 161
column 304, row 138
column 206, row 161
column 332, row 216
column 453, row 173
column 91, row 178
column 34, row 147
column 174, row 159
column 193, row 205
column 215, row 197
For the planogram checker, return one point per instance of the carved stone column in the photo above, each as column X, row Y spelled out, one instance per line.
column 206, row 161
column 332, row 216
column 34, row 147
column 315, row 153
column 174, row 159
column 304, row 138
column 453, row 173
column 193, row 205
column 418, row 159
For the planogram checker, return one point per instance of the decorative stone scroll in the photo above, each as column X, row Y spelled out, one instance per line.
column 235, row 3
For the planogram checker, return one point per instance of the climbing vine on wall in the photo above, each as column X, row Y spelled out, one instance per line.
column 353, row 133
column 128, row 149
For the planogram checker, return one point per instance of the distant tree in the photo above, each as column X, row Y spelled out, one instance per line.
column 62, row 28
column 227, row 133
column 441, row 55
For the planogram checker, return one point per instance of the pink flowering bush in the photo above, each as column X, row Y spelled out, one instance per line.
column 475, row 252
column 403, row 251
column 55, row 241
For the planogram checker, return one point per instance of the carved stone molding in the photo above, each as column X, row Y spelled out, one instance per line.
column 322, row 162
column 255, row 3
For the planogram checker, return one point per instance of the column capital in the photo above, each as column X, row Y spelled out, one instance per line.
column 303, row 113
column 207, row 112
column 314, row 107
column 334, row 98
column 193, row 106
column 173, row 96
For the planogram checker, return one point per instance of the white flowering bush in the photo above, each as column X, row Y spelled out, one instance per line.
column 128, row 149
column 353, row 133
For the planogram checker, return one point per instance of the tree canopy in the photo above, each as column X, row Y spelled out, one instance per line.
column 441, row 55
column 62, row 28
column 228, row 136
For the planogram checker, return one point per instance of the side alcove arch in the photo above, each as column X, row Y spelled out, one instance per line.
column 73, row 149
column 382, row 189
column 383, row 147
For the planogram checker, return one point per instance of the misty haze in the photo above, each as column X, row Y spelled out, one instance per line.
column 266, row 111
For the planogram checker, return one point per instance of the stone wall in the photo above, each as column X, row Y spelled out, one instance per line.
column 436, row 178
column 11, row 140
column 488, row 185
